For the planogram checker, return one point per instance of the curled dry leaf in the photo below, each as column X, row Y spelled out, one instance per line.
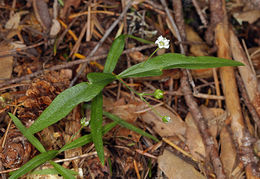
column 176, row 168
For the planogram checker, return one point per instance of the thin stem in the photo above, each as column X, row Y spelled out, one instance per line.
column 70, row 140
column 151, row 55
column 140, row 95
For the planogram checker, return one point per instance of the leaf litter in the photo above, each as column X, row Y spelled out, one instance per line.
column 127, row 153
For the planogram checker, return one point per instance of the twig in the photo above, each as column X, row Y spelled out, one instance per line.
column 9, row 52
column 102, row 40
column 173, row 25
column 77, row 157
column 201, row 15
column 69, row 64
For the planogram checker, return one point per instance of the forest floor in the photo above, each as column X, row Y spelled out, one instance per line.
column 47, row 47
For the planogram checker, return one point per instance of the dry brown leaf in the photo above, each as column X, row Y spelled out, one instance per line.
column 121, row 109
column 176, row 168
column 55, row 28
column 247, row 16
column 195, row 143
column 197, row 47
column 124, row 111
column 6, row 62
column 215, row 118
column 42, row 14
column 13, row 22
column 228, row 151
column 136, row 56
column 174, row 127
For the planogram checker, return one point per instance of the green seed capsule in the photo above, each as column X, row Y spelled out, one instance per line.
column 158, row 94
column 166, row 119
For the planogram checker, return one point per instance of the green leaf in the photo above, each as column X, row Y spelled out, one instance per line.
column 68, row 99
column 97, row 77
column 128, row 126
column 33, row 163
column 140, row 39
column 115, row 51
column 154, row 66
column 86, row 138
column 96, row 119
column 67, row 174
column 77, row 143
column 34, row 141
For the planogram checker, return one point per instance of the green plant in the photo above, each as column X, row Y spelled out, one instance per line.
column 92, row 91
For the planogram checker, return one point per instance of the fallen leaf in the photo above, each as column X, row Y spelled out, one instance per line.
column 6, row 66
column 247, row 16
column 215, row 117
column 174, row 127
column 42, row 14
column 137, row 56
column 228, row 151
column 176, row 168
column 55, row 28
column 13, row 22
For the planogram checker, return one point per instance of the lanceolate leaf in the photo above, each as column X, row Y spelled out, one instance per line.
column 114, row 53
column 67, row 174
column 34, row 141
column 33, row 163
column 154, row 66
column 97, row 103
column 140, row 39
column 96, row 120
column 127, row 125
column 67, row 100
column 86, row 138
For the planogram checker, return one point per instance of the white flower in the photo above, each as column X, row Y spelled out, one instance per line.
column 162, row 42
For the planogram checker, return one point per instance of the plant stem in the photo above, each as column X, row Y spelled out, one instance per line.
column 150, row 56
column 141, row 96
